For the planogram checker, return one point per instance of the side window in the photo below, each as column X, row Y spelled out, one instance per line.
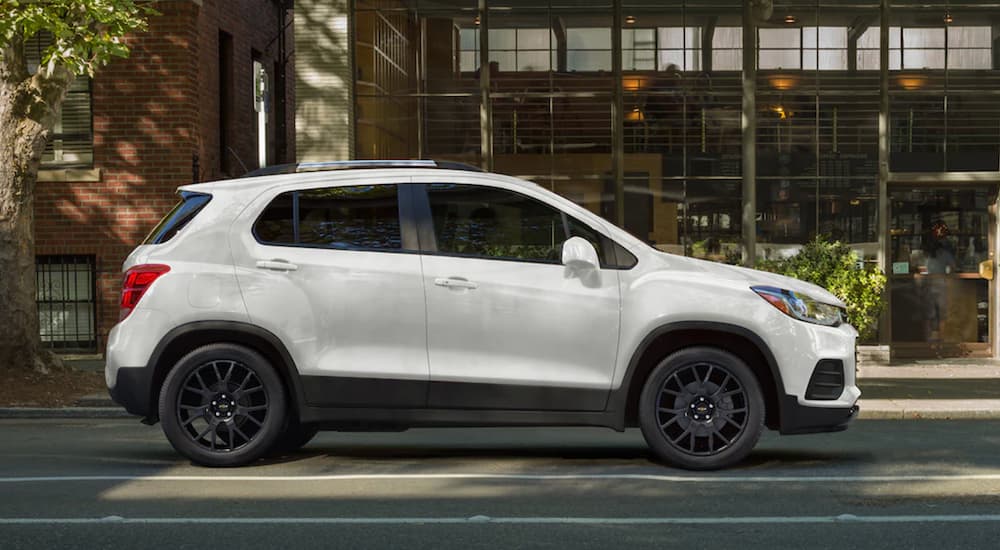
column 362, row 217
column 494, row 223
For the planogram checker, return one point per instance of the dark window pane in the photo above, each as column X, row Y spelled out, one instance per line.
column 275, row 224
column 494, row 223
column 364, row 216
column 175, row 220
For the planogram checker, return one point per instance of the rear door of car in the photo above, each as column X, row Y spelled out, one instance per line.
column 334, row 271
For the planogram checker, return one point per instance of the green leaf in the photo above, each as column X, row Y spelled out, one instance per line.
column 834, row 266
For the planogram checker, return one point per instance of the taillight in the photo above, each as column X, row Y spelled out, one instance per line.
column 137, row 281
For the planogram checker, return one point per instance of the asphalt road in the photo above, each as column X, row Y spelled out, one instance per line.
column 881, row 484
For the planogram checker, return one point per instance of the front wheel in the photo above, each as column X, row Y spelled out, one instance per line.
column 701, row 409
column 222, row 405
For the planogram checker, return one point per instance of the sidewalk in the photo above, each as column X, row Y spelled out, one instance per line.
column 926, row 389
column 947, row 389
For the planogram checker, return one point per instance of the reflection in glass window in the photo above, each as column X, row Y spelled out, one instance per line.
column 680, row 47
column 495, row 223
column 824, row 48
column 639, row 49
column 588, row 49
column 957, row 47
column 468, row 59
column 727, row 49
column 525, row 49
column 780, row 48
column 867, row 56
column 364, row 217
column 970, row 48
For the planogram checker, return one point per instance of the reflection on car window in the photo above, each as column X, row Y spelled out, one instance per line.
column 496, row 223
column 357, row 217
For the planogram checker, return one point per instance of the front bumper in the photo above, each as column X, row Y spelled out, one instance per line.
column 804, row 419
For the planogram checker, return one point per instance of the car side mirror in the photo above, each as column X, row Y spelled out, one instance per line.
column 577, row 253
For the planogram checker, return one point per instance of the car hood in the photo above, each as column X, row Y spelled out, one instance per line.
column 753, row 277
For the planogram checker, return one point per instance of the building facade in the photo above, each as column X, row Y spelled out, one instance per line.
column 720, row 129
column 201, row 97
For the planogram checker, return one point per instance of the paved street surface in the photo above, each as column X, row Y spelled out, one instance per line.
column 882, row 484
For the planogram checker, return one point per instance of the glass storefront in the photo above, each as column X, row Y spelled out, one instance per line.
column 940, row 297
column 635, row 109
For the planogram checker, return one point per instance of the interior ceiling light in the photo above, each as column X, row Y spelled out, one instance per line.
column 790, row 19
column 912, row 81
column 783, row 82
column 629, row 20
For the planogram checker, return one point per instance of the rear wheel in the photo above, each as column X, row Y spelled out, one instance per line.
column 702, row 409
column 222, row 405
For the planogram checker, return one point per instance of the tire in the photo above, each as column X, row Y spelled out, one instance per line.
column 701, row 409
column 222, row 405
column 295, row 436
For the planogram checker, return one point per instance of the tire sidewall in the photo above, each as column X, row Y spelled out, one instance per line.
column 274, row 422
column 649, row 399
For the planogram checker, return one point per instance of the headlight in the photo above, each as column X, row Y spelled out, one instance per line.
column 801, row 307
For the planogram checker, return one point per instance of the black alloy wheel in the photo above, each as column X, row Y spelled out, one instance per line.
column 702, row 408
column 222, row 405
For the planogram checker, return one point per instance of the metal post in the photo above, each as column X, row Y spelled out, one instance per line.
column 421, row 88
column 749, row 129
column 618, row 116
column 884, row 254
column 485, row 105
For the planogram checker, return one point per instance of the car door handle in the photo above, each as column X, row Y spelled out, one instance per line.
column 276, row 265
column 455, row 282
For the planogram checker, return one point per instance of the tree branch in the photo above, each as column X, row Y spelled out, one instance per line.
column 13, row 63
column 50, row 83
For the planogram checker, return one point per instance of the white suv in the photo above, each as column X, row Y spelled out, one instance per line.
column 389, row 295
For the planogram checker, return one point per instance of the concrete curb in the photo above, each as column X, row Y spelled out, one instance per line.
column 63, row 412
column 929, row 409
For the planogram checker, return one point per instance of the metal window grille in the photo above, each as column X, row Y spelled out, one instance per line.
column 66, row 291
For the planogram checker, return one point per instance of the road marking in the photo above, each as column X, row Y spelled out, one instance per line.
column 772, row 520
column 516, row 477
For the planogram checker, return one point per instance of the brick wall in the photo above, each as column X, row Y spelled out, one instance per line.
column 156, row 117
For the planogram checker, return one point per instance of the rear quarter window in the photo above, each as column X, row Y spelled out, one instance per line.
column 179, row 216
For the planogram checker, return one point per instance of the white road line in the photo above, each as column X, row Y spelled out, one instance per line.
column 515, row 477
column 845, row 518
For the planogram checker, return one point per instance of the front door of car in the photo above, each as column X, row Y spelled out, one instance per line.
column 509, row 326
column 334, row 273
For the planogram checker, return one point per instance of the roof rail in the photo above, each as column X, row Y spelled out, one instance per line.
column 326, row 166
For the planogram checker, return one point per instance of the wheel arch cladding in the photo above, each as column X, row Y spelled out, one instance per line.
column 733, row 339
column 187, row 338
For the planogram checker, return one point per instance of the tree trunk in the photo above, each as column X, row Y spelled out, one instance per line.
column 25, row 118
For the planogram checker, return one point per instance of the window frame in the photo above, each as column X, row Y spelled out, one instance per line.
column 82, row 90
column 424, row 217
column 408, row 235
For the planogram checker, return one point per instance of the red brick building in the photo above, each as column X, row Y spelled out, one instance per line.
column 185, row 106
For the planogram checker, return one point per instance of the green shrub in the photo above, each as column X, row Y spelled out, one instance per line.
column 834, row 266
